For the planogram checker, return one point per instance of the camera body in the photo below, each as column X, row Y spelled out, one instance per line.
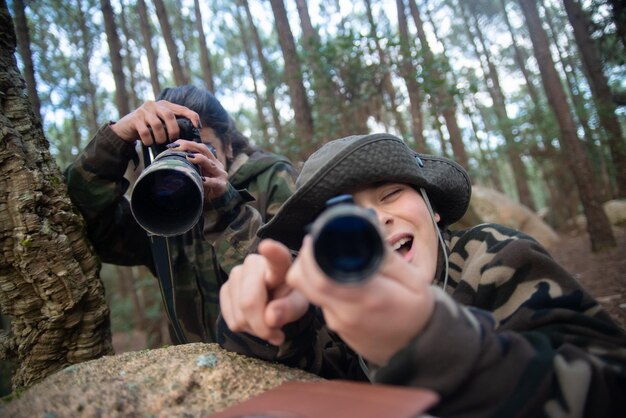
column 348, row 245
column 168, row 197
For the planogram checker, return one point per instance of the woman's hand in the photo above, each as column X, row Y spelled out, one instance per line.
column 257, row 300
column 214, row 175
column 158, row 116
column 376, row 318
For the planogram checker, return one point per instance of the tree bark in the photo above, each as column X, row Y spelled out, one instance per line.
column 387, row 85
column 146, row 32
column 619, row 17
column 297, row 93
column 504, row 122
column 270, row 86
column 409, row 73
column 444, row 100
column 127, row 281
column 520, row 60
column 578, row 103
column 86, row 82
column 180, row 78
column 250, row 63
column 205, row 57
column 327, row 94
column 131, row 62
column 23, row 43
column 598, row 225
column 49, row 281
column 601, row 91
column 485, row 154
column 182, row 24
column 115, row 48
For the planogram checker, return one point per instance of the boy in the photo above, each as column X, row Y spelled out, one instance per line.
column 485, row 317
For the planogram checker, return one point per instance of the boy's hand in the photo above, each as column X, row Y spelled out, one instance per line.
column 257, row 300
column 376, row 318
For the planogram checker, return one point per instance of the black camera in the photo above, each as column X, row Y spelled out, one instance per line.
column 347, row 242
column 168, row 196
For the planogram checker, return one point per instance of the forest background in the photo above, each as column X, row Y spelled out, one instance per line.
column 528, row 95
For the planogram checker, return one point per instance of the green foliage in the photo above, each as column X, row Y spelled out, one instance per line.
column 603, row 28
column 342, row 71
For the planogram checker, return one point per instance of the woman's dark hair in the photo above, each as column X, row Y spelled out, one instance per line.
column 212, row 113
column 238, row 141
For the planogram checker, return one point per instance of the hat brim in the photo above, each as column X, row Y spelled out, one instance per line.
column 369, row 160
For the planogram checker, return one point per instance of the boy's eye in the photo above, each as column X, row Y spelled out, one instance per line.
column 391, row 193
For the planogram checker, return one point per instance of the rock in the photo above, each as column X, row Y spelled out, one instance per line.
column 616, row 211
column 192, row 380
column 492, row 206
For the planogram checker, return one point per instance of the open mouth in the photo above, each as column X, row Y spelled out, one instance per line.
column 403, row 245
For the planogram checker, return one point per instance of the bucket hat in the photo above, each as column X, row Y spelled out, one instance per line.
column 360, row 160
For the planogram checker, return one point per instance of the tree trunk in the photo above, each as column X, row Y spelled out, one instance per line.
column 598, row 224
column 444, row 99
column 619, row 17
column 520, row 60
column 180, row 78
column 49, row 283
column 146, row 32
column 488, row 167
column 409, row 73
column 86, row 82
column 267, row 77
column 563, row 197
column 127, row 281
column 297, row 93
column 326, row 91
column 455, row 82
column 131, row 62
column 578, row 103
column 182, row 32
column 492, row 164
column 157, row 322
column 23, row 44
column 387, row 85
column 250, row 63
column 115, row 48
column 205, row 58
column 504, row 122
column 601, row 91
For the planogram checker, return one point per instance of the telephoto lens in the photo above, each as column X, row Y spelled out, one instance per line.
column 168, row 197
column 347, row 243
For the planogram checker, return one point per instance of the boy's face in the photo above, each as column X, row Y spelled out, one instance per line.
column 405, row 221
column 208, row 136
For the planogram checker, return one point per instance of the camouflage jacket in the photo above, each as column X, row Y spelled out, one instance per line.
column 514, row 336
column 200, row 259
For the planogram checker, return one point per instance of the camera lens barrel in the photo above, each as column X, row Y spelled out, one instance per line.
column 168, row 196
column 347, row 243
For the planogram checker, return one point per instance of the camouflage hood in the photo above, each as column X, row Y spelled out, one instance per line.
column 245, row 168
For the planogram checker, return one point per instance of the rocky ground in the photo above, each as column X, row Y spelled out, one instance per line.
column 187, row 381
column 602, row 274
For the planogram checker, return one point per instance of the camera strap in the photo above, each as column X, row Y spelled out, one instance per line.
column 161, row 255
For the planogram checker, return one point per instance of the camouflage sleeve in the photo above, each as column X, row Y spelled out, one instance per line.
column 232, row 224
column 518, row 337
column 532, row 343
column 309, row 345
column 96, row 185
